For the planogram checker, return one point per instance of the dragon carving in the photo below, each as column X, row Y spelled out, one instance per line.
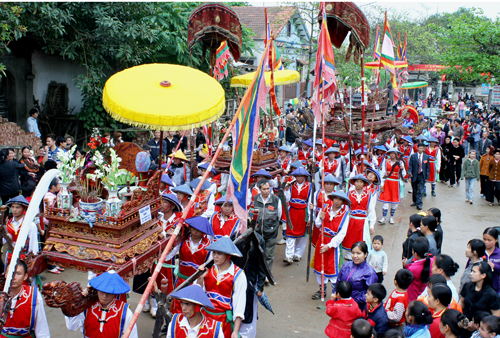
column 68, row 297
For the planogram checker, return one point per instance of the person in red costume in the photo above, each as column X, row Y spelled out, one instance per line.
column 108, row 317
column 191, row 322
column 225, row 285
column 224, row 222
column 26, row 317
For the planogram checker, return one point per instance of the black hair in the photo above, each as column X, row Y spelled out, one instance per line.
column 420, row 145
column 492, row 323
column 23, row 264
column 421, row 247
column 392, row 333
column 441, row 292
column 455, row 320
column 436, row 213
column 25, row 147
column 362, row 246
column 262, row 182
column 485, row 268
column 415, row 219
column 493, row 232
column 53, row 137
column 4, row 153
column 431, row 223
column 28, row 188
column 378, row 238
column 436, row 279
column 33, row 111
column 53, row 183
column 50, row 164
column 477, row 246
column 420, row 312
column 60, row 140
column 446, row 263
column 378, row 291
column 479, row 315
column 404, row 278
column 344, row 289
column 361, row 328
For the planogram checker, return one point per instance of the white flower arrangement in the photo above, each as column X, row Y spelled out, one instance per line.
column 67, row 165
column 110, row 174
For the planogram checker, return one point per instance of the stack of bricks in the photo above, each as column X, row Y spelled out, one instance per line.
column 12, row 135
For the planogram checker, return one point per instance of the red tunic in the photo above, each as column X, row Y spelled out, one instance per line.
column 359, row 212
column 167, row 270
column 220, row 293
column 330, row 167
column 331, row 229
column 380, row 159
column 189, row 261
column 394, row 298
column 209, row 328
column 343, row 312
column 284, row 163
column 344, row 148
column 114, row 324
column 432, row 162
column 304, row 155
column 14, row 234
column 434, row 327
column 23, row 323
column 320, row 198
column 406, row 151
column 228, row 228
column 391, row 185
column 319, row 156
column 298, row 209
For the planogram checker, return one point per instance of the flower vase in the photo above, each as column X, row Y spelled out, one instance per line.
column 89, row 210
column 113, row 204
column 64, row 198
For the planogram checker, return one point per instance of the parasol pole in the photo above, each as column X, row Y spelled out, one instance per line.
column 363, row 109
column 178, row 227
column 373, row 115
column 313, row 172
column 160, row 155
column 323, row 186
column 170, row 160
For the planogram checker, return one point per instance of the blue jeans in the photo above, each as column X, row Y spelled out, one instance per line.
column 470, row 184
column 461, row 113
column 281, row 134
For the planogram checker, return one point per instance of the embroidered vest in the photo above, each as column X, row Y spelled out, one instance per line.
column 221, row 292
column 229, row 227
column 209, row 328
column 299, row 198
column 189, row 261
column 110, row 326
column 21, row 320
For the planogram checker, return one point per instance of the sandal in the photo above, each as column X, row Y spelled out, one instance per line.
column 491, row 204
column 55, row 271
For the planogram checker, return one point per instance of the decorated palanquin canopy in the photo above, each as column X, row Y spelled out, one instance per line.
column 345, row 17
column 213, row 23
column 163, row 97
column 281, row 77
column 377, row 64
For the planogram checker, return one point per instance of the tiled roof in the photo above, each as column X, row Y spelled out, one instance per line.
column 254, row 18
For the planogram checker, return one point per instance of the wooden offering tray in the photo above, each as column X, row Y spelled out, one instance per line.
column 115, row 239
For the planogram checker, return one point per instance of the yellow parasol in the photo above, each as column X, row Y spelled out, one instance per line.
column 281, row 77
column 163, row 97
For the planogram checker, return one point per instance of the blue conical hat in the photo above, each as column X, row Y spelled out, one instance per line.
column 200, row 223
column 262, row 172
column 331, row 179
column 222, row 200
column 300, row 172
column 185, row 189
column 360, row 177
column 225, row 245
column 166, row 179
column 340, row 194
column 194, row 183
column 193, row 294
column 18, row 200
column 172, row 198
column 110, row 282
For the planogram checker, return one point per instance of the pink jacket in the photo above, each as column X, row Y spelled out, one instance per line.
column 417, row 286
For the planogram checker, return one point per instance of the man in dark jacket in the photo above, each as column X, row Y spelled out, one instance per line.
column 154, row 146
column 419, row 171
column 484, row 143
column 456, row 154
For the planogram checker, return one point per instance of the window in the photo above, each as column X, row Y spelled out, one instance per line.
column 57, row 98
column 288, row 29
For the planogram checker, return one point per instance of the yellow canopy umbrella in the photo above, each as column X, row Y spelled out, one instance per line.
column 281, row 77
column 163, row 97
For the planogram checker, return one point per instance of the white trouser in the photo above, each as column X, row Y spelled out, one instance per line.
column 250, row 330
column 295, row 247
column 332, row 280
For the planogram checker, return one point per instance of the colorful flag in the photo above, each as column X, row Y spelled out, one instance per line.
column 387, row 57
column 324, row 81
column 245, row 134
column 399, row 49
column 221, row 63
column 376, row 49
column 278, row 64
column 207, row 130
column 404, row 49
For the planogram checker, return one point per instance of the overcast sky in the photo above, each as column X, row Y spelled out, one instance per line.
column 423, row 7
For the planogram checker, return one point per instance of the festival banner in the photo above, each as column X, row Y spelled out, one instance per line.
column 387, row 57
column 221, row 62
column 245, row 133
column 324, row 71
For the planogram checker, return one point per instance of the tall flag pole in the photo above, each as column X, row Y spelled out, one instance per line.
column 324, row 71
column 245, row 134
column 387, row 57
column 376, row 50
column 274, row 64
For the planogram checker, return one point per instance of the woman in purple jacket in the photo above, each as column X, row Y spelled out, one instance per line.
column 359, row 273
column 490, row 239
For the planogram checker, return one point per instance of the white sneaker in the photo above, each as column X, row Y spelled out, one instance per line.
column 281, row 241
column 410, row 191
column 146, row 306
column 382, row 220
column 391, row 220
column 154, row 307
